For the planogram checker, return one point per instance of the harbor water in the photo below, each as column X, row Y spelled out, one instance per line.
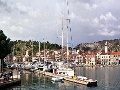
column 108, row 79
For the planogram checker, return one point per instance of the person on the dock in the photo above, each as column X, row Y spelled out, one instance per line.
column 5, row 76
column 10, row 74
column 56, row 72
column 1, row 75
column 74, row 77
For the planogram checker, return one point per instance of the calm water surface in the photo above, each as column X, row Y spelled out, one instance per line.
column 108, row 79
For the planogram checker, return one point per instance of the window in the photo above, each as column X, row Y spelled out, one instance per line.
column 63, row 72
column 60, row 72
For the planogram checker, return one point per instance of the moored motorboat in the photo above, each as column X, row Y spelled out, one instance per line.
column 81, row 78
column 91, row 82
column 65, row 71
column 27, row 66
column 57, row 79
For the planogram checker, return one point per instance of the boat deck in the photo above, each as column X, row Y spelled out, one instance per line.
column 88, row 82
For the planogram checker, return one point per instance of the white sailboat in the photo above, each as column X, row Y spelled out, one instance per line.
column 62, row 70
column 27, row 66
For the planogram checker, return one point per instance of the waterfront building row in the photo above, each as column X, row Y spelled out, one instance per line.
column 89, row 58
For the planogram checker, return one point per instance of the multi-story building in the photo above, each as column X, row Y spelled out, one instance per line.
column 105, row 58
column 79, row 59
column 115, row 58
column 90, row 59
column 108, row 58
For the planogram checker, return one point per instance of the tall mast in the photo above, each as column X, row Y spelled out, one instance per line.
column 44, row 50
column 62, row 36
column 32, row 49
column 68, row 28
column 39, row 51
column 67, row 43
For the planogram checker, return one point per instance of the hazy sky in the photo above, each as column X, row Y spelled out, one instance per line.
column 91, row 20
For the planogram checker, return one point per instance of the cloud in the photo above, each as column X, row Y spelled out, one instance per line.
column 108, row 17
column 119, row 26
column 90, row 19
column 106, row 32
column 96, row 21
column 90, row 7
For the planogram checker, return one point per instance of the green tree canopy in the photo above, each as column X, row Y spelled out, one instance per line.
column 4, row 45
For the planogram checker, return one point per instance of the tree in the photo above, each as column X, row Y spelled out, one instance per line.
column 5, row 46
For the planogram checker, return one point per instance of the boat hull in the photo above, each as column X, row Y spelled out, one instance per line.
column 57, row 79
column 10, row 83
column 92, row 84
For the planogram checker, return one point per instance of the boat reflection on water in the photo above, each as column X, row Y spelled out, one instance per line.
column 106, row 77
column 33, row 81
column 57, row 79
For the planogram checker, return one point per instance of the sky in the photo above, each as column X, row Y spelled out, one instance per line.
column 43, row 20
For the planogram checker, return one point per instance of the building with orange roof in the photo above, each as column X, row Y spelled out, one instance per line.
column 115, row 58
column 90, row 59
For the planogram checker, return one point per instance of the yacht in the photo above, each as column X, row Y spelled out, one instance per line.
column 27, row 66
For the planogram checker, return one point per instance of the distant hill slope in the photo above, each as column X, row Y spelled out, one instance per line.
column 20, row 47
column 113, row 45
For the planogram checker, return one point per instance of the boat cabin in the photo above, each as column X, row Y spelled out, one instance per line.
column 67, row 72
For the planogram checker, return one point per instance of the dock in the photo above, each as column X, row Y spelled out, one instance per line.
column 6, row 84
column 12, row 81
column 88, row 82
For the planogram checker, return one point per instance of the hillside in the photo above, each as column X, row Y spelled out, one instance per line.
column 19, row 47
column 113, row 45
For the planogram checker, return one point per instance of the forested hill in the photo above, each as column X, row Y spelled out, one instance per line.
column 113, row 45
column 20, row 47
